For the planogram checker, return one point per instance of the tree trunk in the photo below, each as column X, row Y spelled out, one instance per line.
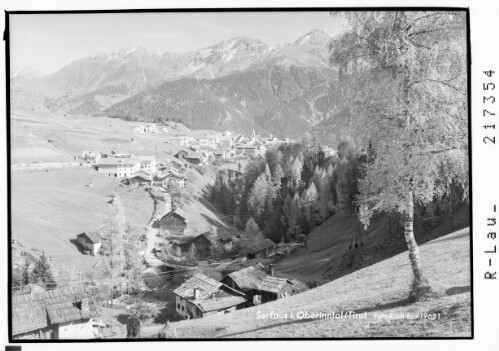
column 420, row 286
column 410, row 240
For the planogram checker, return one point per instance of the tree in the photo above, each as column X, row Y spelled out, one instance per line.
column 113, row 233
column 139, row 313
column 42, row 273
column 252, row 231
column 296, row 169
column 25, row 273
column 260, row 194
column 412, row 110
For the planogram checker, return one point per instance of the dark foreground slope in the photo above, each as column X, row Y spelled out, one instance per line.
column 377, row 292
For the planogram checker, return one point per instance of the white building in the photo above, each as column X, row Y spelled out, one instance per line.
column 118, row 167
column 148, row 163
column 91, row 156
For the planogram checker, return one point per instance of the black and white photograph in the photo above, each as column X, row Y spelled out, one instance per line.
column 213, row 174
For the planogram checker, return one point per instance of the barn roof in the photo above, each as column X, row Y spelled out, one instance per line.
column 206, row 286
column 259, row 246
column 220, row 303
column 173, row 213
column 249, row 278
column 273, row 284
column 39, row 310
column 195, row 155
column 93, row 236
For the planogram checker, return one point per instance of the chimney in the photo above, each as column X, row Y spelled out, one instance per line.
column 196, row 293
column 84, row 305
column 271, row 269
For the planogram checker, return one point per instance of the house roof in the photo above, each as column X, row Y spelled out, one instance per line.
column 28, row 289
column 143, row 175
column 39, row 310
column 224, row 234
column 174, row 213
column 146, row 158
column 249, row 278
column 93, row 236
column 259, row 246
column 220, row 303
column 193, row 155
column 204, row 235
column 112, row 161
column 206, row 286
column 273, row 284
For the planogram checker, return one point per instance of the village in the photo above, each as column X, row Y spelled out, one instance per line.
column 245, row 274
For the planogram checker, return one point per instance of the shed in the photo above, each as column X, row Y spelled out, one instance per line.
column 274, row 288
column 90, row 241
column 260, row 249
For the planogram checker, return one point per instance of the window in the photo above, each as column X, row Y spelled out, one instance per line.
column 178, row 306
column 182, row 308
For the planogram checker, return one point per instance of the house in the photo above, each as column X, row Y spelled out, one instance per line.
column 141, row 178
column 173, row 178
column 148, row 163
column 221, row 154
column 139, row 128
column 202, row 243
column 196, row 158
column 114, row 154
column 91, row 156
column 226, row 239
column 225, row 141
column 180, row 140
column 247, row 280
column 273, row 288
column 172, row 223
column 181, row 154
column 118, row 167
column 64, row 313
column 150, row 128
column 201, row 296
column 90, row 241
column 260, row 249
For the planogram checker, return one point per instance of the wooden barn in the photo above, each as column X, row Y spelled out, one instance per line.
column 261, row 249
column 64, row 313
column 203, row 244
column 201, row 296
column 248, row 280
column 172, row 223
column 273, row 288
column 90, row 241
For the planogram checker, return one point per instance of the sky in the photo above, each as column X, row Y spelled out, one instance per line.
column 48, row 42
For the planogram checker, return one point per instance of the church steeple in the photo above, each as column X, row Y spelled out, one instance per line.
column 253, row 135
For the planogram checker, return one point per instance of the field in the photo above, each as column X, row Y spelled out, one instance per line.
column 328, row 256
column 377, row 293
column 51, row 208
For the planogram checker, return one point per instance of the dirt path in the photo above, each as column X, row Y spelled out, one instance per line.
column 151, row 277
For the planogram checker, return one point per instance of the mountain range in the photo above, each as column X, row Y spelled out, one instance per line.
column 238, row 84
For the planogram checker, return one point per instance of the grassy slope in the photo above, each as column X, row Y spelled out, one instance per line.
column 328, row 255
column 379, row 289
column 50, row 208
